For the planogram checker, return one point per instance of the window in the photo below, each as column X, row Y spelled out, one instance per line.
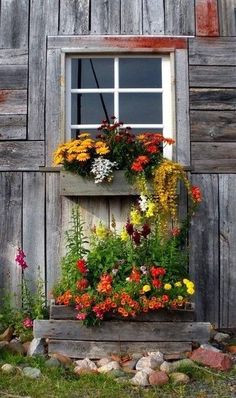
column 135, row 88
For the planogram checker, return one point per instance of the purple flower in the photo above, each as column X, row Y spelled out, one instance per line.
column 20, row 259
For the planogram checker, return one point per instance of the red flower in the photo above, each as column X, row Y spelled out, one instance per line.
column 157, row 271
column 157, row 283
column 146, row 230
column 81, row 316
column 165, row 298
column 20, row 259
column 82, row 284
column 175, row 231
column 152, row 148
column 28, row 323
column 129, row 228
column 137, row 237
column 136, row 166
column 81, row 265
column 135, row 275
column 196, row 194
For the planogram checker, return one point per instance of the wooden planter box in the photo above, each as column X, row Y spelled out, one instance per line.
column 169, row 331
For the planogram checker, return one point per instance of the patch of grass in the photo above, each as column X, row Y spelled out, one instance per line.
column 62, row 383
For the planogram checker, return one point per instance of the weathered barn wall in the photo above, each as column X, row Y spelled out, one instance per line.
column 32, row 215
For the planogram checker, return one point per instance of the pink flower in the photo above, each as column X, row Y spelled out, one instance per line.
column 20, row 259
column 28, row 323
column 81, row 316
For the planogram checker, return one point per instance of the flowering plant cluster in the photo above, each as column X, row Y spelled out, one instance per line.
column 115, row 147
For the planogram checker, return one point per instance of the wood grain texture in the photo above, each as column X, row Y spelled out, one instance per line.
column 119, row 209
column 227, row 194
column 12, row 127
column 13, row 77
column 43, row 22
column 179, row 17
column 13, row 56
column 131, row 17
column 212, row 51
column 213, row 99
column 218, row 157
column 96, row 350
column 204, row 250
column 207, row 23
column 123, row 331
column 67, row 205
column 94, row 210
column 53, row 229
column 182, row 107
column 74, row 17
column 153, row 17
column 21, row 155
column 34, row 226
column 13, row 102
column 213, row 125
column 105, row 17
column 10, row 231
column 212, row 76
column 227, row 14
column 14, row 23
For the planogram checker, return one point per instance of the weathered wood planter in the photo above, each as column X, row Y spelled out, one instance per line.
column 169, row 331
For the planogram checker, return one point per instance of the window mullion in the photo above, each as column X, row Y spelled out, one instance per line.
column 116, row 86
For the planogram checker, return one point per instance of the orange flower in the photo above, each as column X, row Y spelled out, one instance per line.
column 135, row 276
column 196, row 194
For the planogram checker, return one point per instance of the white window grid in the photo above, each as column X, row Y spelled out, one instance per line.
column 167, row 125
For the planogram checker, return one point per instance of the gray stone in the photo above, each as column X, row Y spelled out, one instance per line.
column 146, row 362
column 165, row 367
column 158, row 356
column 129, row 365
column 148, row 371
column 8, row 368
column 103, row 361
column 179, row 378
column 117, row 373
column 52, row 363
column 16, row 347
column 86, row 363
column 32, row 373
column 36, row 347
column 209, row 347
column 110, row 366
column 140, row 379
column 221, row 337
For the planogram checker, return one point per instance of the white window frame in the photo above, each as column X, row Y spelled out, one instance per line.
column 167, row 90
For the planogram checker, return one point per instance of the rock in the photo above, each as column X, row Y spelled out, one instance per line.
column 103, row 361
column 209, row 347
column 166, row 367
column 146, row 362
column 221, row 337
column 110, row 366
column 174, row 356
column 158, row 356
column 215, row 360
column 32, row 373
column 63, row 359
column 158, row 378
column 52, row 363
column 15, row 347
column 136, row 355
column 179, row 378
column 26, row 346
column 148, row 371
column 140, row 379
column 85, row 364
column 7, row 334
column 117, row 373
column 9, row 369
column 83, row 371
column 4, row 345
column 37, row 347
column 129, row 365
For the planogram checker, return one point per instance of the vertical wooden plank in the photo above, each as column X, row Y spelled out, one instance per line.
column 74, row 17
column 94, row 210
column 131, row 17
column 53, row 103
column 207, row 23
column 34, row 225
column 53, row 229
column 182, row 108
column 67, row 204
column 14, row 23
column 153, row 17
column 119, row 208
column 10, row 231
column 227, row 194
column 204, row 249
column 227, row 15
column 105, row 17
column 43, row 22
column 179, row 17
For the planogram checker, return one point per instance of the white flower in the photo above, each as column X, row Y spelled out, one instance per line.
column 102, row 169
column 143, row 202
column 143, row 269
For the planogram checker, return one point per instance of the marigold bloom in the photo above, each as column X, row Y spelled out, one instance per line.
column 83, row 157
column 146, row 288
column 135, row 276
column 167, row 286
column 82, row 284
column 157, row 283
column 136, row 166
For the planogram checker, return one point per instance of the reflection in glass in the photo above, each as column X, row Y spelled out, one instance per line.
column 92, row 73
column 141, row 108
column 91, row 108
column 140, row 73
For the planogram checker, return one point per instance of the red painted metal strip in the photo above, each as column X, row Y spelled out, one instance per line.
column 207, row 21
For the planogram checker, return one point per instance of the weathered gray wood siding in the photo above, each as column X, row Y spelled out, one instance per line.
column 33, row 215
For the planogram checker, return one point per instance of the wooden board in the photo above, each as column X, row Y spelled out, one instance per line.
column 227, row 194
column 179, row 17
column 74, row 17
column 213, row 125
column 13, row 56
column 12, row 127
column 153, row 17
column 204, row 250
column 74, row 185
column 217, row 157
column 212, row 51
column 207, row 23
column 212, row 76
column 227, row 17
column 119, row 209
column 21, row 155
column 68, row 312
column 14, row 19
column 96, row 350
column 105, row 17
column 123, row 331
column 213, row 99
column 13, row 76
column 131, row 17
column 10, row 232
column 13, row 102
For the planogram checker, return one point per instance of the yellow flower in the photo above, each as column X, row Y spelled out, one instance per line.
column 178, row 284
column 84, row 135
column 81, row 148
column 180, row 298
column 167, row 286
column 150, row 209
column 99, row 144
column 146, row 288
column 135, row 217
column 88, row 143
column 190, row 290
column 71, row 158
column 83, row 157
column 101, row 231
column 58, row 159
column 103, row 150
column 188, row 283
column 124, row 235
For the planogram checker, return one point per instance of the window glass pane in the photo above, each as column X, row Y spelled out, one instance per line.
column 140, row 73
column 91, row 108
column 92, row 73
column 146, row 130
column 76, row 132
column 140, row 108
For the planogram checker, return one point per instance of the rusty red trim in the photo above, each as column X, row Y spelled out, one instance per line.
column 158, row 43
column 207, row 21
